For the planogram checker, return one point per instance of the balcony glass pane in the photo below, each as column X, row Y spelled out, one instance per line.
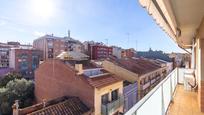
column 157, row 101
column 174, row 80
column 167, row 93
column 149, row 106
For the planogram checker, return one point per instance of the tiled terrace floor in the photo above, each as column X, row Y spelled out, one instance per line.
column 185, row 103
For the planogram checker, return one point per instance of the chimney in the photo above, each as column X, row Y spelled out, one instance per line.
column 15, row 108
column 79, row 68
column 69, row 34
column 44, row 103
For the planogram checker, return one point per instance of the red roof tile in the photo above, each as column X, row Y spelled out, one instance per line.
column 137, row 65
column 104, row 80
column 66, row 106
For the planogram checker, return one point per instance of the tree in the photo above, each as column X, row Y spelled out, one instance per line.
column 17, row 89
column 9, row 77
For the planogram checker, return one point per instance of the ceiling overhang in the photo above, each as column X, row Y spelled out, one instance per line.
column 180, row 19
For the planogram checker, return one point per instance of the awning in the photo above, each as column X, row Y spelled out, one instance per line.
column 163, row 16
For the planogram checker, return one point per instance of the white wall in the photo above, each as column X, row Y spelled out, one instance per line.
column 12, row 58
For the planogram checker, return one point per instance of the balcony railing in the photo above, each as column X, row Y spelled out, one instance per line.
column 112, row 106
column 157, row 101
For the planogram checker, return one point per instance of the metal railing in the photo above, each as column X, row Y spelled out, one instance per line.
column 157, row 101
column 109, row 108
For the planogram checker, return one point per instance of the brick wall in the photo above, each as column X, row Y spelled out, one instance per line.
column 60, row 80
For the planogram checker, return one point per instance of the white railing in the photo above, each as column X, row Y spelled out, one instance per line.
column 157, row 101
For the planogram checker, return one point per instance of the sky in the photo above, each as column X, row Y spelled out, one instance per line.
column 121, row 23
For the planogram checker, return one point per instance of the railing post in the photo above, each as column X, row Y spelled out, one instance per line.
column 171, row 86
column 162, row 100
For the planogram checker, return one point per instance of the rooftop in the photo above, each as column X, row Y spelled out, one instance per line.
column 137, row 65
column 98, row 77
column 94, row 75
column 60, row 106
column 104, row 80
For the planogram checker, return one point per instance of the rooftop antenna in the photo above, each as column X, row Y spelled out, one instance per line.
column 68, row 33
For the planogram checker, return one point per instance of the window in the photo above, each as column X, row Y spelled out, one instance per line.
column 104, row 99
column 114, row 95
column 35, row 61
column 23, row 65
column 23, row 56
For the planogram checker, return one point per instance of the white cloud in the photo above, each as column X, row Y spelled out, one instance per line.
column 2, row 22
column 15, row 28
column 38, row 34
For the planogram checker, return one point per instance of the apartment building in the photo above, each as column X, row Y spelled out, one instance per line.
column 52, row 46
column 4, row 52
column 128, row 53
column 101, row 91
column 144, row 72
column 123, row 53
column 180, row 59
column 117, row 51
column 97, row 52
column 4, row 56
column 24, row 61
column 168, row 65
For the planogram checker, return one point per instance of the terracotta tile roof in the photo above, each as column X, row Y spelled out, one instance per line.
column 136, row 65
column 104, row 80
column 67, row 106
column 101, row 80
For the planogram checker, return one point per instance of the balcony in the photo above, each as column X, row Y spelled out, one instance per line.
column 168, row 98
column 184, row 103
column 112, row 106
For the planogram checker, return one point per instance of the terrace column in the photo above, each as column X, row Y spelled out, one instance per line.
column 200, row 73
column 200, row 65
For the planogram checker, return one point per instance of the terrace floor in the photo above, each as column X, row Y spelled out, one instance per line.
column 185, row 103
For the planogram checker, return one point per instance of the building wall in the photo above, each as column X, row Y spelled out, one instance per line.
column 117, row 52
column 41, row 44
column 104, row 90
column 77, row 48
column 128, row 53
column 53, row 46
column 99, row 51
column 145, row 82
column 150, row 80
column 121, row 72
column 12, row 59
column 169, row 66
column 130, row 96
column 59, row 46
column 199, row 65
column 25, row 61
column 55, row 79
column 4, row 56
